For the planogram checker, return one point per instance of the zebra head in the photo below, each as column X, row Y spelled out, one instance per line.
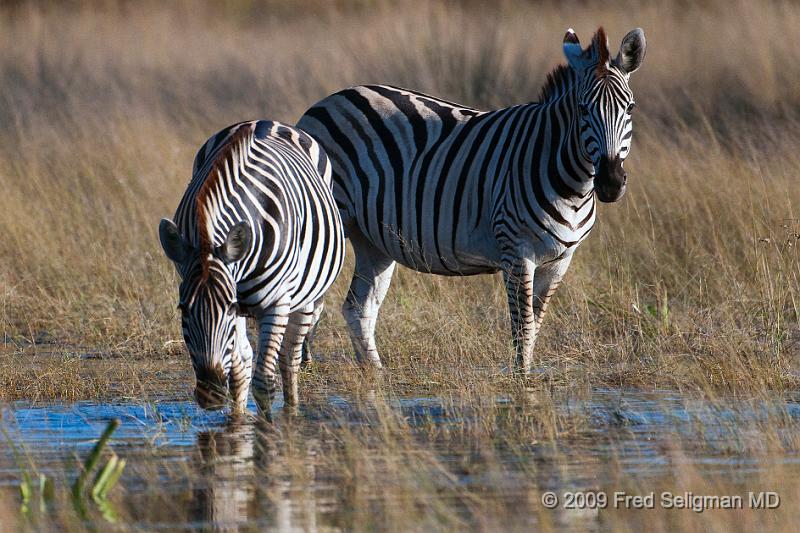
column 604, row 103
column 208, row 305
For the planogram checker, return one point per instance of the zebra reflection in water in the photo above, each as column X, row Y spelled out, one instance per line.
column 244, row 482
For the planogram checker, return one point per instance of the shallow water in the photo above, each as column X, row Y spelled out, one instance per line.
column 192, row 469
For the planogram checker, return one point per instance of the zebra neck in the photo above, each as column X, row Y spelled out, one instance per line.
column 551, row 156
column 551, row 187
column 575, row 168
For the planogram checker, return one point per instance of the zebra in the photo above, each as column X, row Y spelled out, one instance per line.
column 256, row 234
column 447, row 189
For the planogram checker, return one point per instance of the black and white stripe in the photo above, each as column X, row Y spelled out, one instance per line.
column 448, row 189
column 257, row 234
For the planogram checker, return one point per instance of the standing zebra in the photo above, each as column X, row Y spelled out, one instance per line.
column 257, row 233
column 447, row 189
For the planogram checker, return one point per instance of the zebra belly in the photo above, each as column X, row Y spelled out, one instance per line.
column 471, row 254
column 450, row 270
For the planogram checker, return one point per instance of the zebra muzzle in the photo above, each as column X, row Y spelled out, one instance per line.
column 610, row 179
column 211, row 391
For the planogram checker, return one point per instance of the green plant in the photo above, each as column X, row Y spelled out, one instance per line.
column 105, row 479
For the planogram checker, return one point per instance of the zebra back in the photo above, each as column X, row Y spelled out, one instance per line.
column 277, row 179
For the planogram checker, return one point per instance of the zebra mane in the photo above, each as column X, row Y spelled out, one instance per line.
column 600, row 53
column 201, row 200
column 561, row 79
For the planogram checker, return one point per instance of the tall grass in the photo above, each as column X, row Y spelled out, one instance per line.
column 689, row 282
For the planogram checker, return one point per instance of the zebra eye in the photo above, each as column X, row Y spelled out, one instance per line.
column 233, row 309
column 631, row 107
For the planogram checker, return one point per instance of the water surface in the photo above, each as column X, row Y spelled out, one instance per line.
column 192, row 469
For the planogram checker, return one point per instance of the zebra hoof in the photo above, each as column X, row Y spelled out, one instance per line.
column 368, row 363
column 291, row 410
column 290, row 399
column 239, row 409
column 264, row 406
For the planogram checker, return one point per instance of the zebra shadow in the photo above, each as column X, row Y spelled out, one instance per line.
column 243, row 482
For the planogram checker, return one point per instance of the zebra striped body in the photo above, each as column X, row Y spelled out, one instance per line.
column 448, row 189
column 257, row 234
column 481, row 163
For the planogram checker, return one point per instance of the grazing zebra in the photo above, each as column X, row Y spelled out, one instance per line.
column 447, row 189
column 257, row 234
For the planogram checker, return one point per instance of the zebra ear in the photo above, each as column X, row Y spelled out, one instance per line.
column 572, row 49
column 175, row 247
column 237, row 244
column 631, row 51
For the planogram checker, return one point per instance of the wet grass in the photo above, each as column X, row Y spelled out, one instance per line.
column 687, row 285
column 372, row 460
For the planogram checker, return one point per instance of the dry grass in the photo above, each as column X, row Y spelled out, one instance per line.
column 690, row 283
column 103, row 105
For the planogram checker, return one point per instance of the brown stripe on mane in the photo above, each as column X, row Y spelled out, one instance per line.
column 212, row 179
column 600, row 44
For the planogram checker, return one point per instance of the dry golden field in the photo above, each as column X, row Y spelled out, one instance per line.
column 688, row 285
column 690, row 281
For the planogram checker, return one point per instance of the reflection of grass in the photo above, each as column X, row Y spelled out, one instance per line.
column 369, row 461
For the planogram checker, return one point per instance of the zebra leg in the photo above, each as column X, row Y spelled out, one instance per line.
column 291, row 351
column 242, row 367
column 371, row 280
column 545, row 282
column 307, row 358
column 271, row 329
column 518, row 277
